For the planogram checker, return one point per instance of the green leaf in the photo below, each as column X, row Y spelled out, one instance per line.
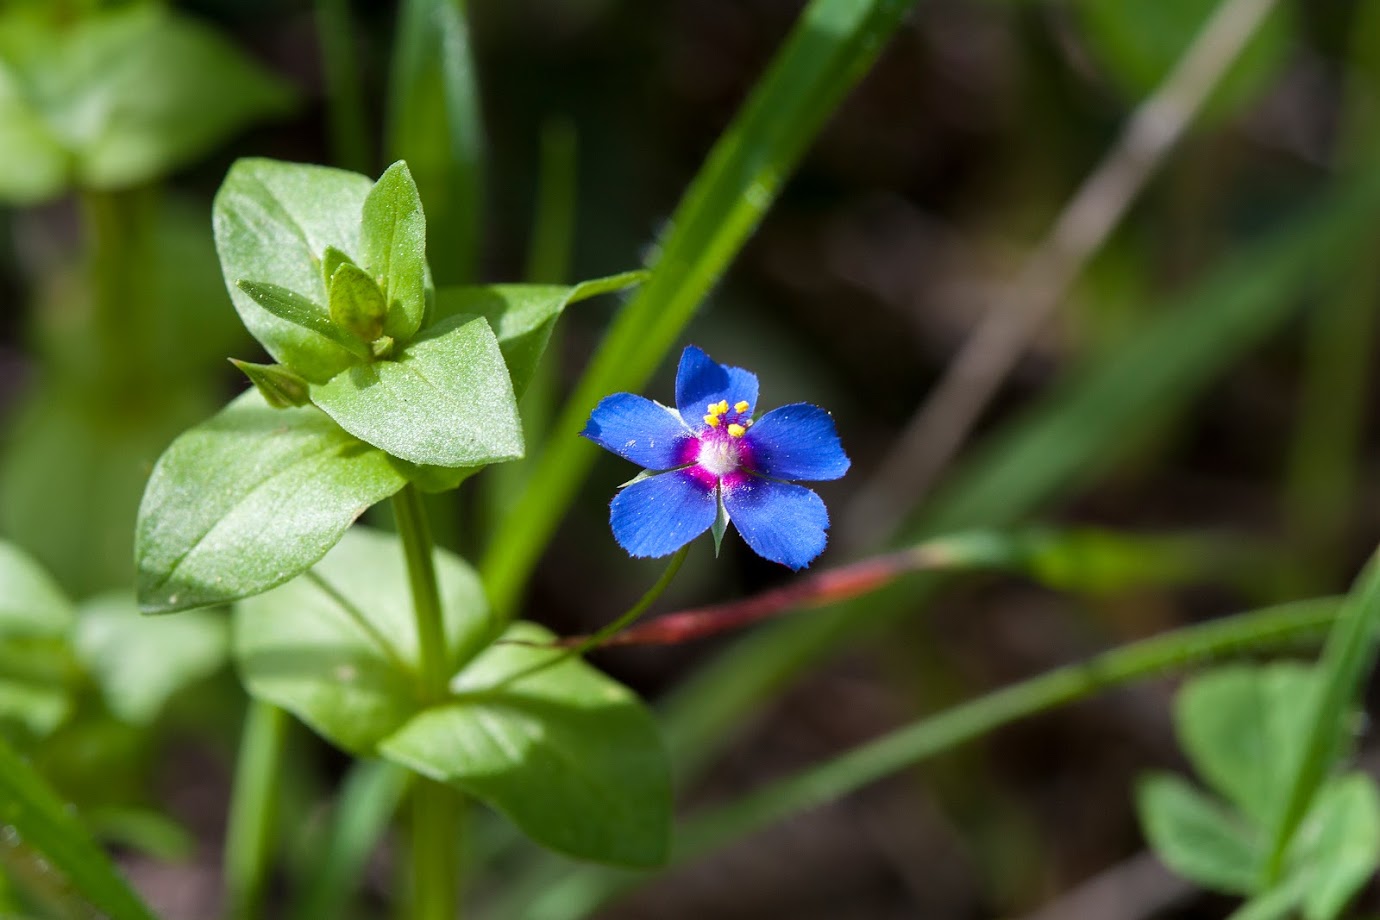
column 280, row 387
column 1139, row 41
column 338, row 648
column 393, row 244
column 247, row 500
column 1197, row 837
column 445, row 401
column 434, row 123
column 35, row 664
column 296, row 309
column 1242, row 726
column 1338, row 845
column 38, row 166
column 357, row 304
column 31, row 603
column 122, row 97
column 523, row 315
column 42, row 820
column 140, row 663
column 276, row 221
column 573, row 758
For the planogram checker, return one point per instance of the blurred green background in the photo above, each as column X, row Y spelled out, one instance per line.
column 1207, row 371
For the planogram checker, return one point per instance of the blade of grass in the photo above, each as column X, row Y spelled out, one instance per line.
column 552, row 246
column 580, row 892
column 369, row 798
column 1347, row 659
column 249, row 838
column 832, row 45
column 435, row 123
column 43, row 821
column 549, row 255
column 344, row 94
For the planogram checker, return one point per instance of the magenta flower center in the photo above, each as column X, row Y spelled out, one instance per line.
column 719, row 455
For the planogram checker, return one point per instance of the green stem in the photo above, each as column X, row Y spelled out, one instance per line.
column 628, row 617
column 436, row 807
column 415, row 533
column 120, row 228
column 254, row 809
column 436, row 812
column 1346, row 659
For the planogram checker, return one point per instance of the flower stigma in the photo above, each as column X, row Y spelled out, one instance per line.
column 718, row 456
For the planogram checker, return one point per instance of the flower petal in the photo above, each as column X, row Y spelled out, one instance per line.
column 780, row 521
column 637, row 429
column 659, row 515
column 797, row 442
column 701, row 381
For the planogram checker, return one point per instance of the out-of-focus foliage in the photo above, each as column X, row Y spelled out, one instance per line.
column 117, row 98
column 1244, row 729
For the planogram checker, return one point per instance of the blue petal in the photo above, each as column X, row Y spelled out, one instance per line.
column 700, row 381
column 781, row 522
column 657, row 516
column 797, row 442
column 637, row 429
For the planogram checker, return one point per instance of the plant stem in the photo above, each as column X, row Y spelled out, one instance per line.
column 254, row 809
column 120, row 227
column 415, row 533
column 436, row 807
column 435, row 850
column 628, row 617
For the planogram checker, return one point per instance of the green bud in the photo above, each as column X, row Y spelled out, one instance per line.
column 280, row 387
column 382, row 347
column 357, row 304
column 332, row 259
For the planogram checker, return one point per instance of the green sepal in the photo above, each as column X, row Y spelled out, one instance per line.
column 720, row 524
column 279, row 386
column 356, row 303
column 332, row 259
column 296, row 309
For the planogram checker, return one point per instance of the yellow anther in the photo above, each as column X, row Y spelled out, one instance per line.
column 737, row 431
column 712, row 421
column 722, row 407
column 741, row 406
column 713, row 409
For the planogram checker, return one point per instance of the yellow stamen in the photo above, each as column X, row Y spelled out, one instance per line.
column 712, row 421
column 740, row 406
column 722, row 407
column 712, row 408
column 737, row 431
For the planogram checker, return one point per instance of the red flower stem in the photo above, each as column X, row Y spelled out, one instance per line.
column 812, row 591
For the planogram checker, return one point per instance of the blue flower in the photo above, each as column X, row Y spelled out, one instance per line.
column 708, row 463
